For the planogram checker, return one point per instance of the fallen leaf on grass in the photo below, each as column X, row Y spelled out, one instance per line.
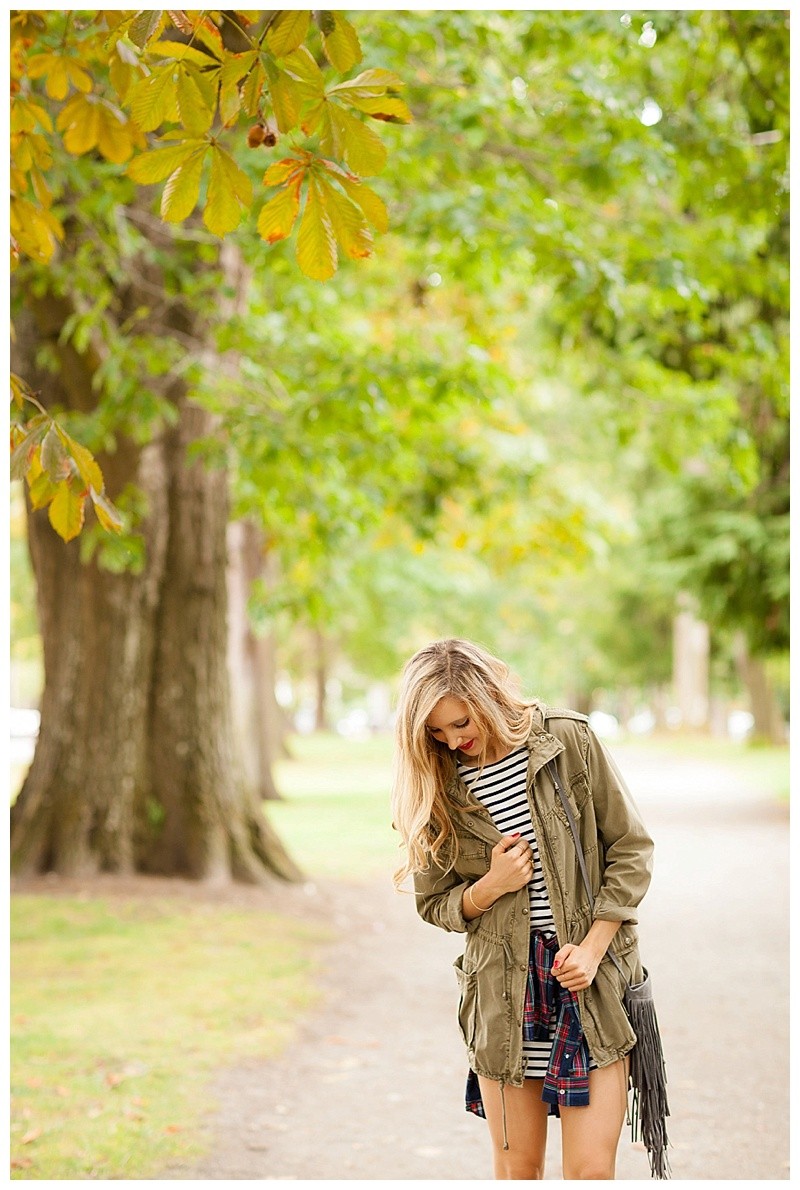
column 21, row 1162
column 63, row 1092
column 113, row 1080
column 34, row 1082
column 94, row 1112
column 31, row 1134
column 174, row 1128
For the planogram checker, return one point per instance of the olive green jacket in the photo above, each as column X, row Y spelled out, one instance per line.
column 492, row 972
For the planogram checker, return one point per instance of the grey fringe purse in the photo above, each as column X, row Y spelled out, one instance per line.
column 647, row 1075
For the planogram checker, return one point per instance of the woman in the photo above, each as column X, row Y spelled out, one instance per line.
column 490, row 847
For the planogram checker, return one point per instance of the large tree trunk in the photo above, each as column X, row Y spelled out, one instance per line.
column 690, row 664
column 135, row 767
column 768, row 725
column 251, row 664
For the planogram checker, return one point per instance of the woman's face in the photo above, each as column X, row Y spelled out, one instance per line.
column 450, row 724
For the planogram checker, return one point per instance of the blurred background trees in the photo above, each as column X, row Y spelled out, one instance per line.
column 550, row 412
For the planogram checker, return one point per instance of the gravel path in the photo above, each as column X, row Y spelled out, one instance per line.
column 372, row 1085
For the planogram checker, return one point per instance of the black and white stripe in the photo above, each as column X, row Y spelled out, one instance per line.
column 501, row 789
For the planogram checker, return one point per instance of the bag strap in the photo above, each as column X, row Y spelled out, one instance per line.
column 573, row 826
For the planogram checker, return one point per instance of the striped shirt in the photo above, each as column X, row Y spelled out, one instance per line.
column 501, row 789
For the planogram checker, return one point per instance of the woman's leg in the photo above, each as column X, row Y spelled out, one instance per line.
column 590, row 1135
column 526, row 1127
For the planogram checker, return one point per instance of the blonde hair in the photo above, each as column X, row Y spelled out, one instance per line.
column 423, row 766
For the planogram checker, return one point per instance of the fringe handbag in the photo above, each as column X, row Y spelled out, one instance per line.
column 648, row 1076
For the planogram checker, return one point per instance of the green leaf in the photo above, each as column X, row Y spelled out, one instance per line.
column 342, row 47
column 154, row 100
column 54, row 457
column 183, row 189
column 277, row 217
column 158, row 164
column 288, row 32
column 348, row 223
column 230, row 193
column 316, row 243
column 66, row 510
column 144, row 26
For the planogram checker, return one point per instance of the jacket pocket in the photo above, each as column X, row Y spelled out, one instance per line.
column 468, row 1002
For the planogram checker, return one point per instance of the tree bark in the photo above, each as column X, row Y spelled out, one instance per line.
column 768, row 725
column 251, row 665
column 320, row 681
column 135, row 766
column 690, row 664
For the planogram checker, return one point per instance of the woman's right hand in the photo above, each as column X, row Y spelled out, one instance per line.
column 511, row 865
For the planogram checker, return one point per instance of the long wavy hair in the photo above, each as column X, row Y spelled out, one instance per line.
column 424, row 766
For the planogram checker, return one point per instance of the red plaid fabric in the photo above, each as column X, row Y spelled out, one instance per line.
column 566, row 1083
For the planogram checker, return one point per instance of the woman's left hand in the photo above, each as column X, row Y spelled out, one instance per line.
column 575, row 966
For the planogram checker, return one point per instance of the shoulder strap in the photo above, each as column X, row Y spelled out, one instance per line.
column 573, row 826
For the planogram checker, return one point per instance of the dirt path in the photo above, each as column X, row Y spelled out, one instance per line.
column 372, row 1085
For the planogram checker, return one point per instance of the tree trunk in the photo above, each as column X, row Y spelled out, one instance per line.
column 320, row 682
column 690, row 665
column 135, row 766
column 251, row 665
column 768, row 725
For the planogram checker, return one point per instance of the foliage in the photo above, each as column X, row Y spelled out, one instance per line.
column 196, row 79
column 97, row 84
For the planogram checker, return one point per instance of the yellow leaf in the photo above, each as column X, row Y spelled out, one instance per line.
column 88, row 467
column 316, row 243
column 288, row 31
column 388, row 107
column 57, row 81
column 278, row 215
column 183, row 189
column 251, row 92
column 230, row 193
column 108, row 516
column 145, row 25
column 80, row 123
column 179, row 52
column 302, row 67
column 371, row 203
column 41, row 491
column 197, row 114
column 348, row 223
column 160, row 163
column 342, row 47
column 361, row 148
column 80, row 79
column 280, row 171
column 66, row 510
column 285, row 101
column 154, row 100
column 113, row 135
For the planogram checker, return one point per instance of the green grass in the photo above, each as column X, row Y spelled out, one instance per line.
column 336, row 817
column 765, row 765
column 120, row 1011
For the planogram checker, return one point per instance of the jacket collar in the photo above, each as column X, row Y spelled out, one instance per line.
column 541, row 745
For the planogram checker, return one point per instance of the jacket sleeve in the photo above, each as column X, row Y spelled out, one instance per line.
column 627, row 845
column 439, row 896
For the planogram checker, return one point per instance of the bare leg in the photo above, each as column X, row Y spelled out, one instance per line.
column 590, row 1135
column 526, row 1128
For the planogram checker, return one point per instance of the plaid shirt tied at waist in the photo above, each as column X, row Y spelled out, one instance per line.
column 566, row 1083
